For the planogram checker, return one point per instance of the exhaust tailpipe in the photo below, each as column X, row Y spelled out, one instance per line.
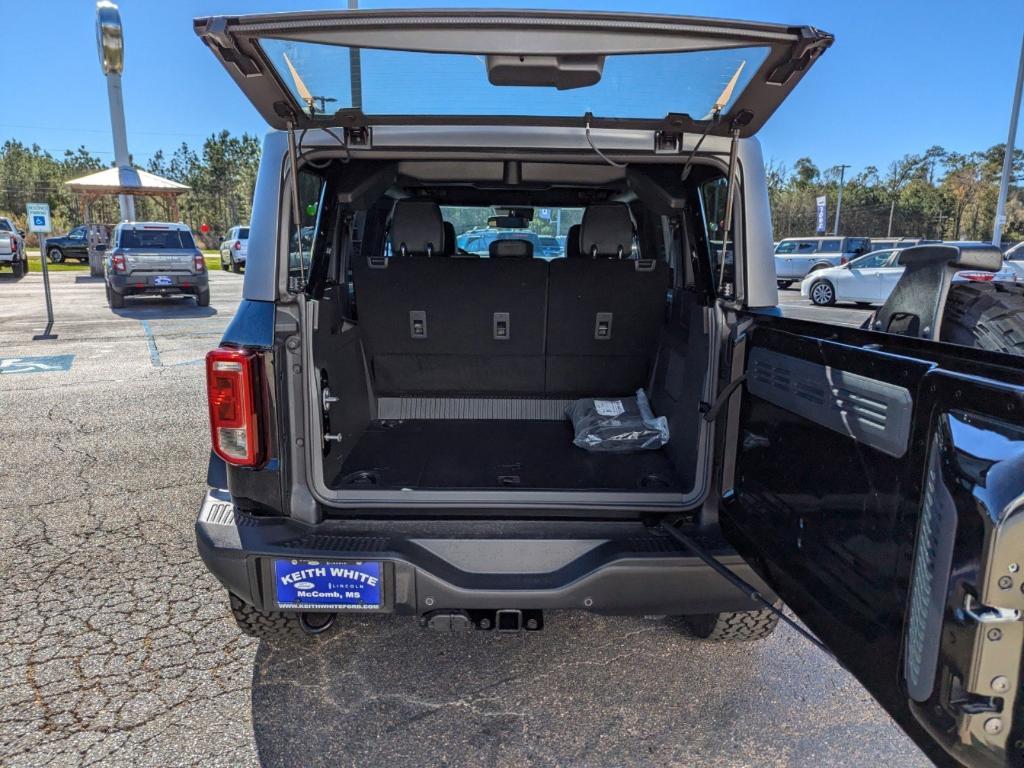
column 316, row 623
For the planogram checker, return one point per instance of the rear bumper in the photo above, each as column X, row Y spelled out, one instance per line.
column 172, row 283
column 609, row 568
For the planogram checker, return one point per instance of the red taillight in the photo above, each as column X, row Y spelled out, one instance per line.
column 978, row 277
column 238, row 245
column 236, row 406
column 117, row 261
column 843, row 260
column 199, row 261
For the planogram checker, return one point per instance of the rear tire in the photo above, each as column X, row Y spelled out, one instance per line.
column 56, row 255
column 822, row 293
column 114, row 299
column 784, row 284
column 18, row 269
column 274, row 625
column 203, row 299
column 986, row 316
column 732, row 626
column 235, row 267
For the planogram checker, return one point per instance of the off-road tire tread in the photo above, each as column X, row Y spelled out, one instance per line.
column 265, row 624
column 731, row 627
column 985, row 315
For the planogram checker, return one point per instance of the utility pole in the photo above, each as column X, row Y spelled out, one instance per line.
column 839, row 202
column 997, row 227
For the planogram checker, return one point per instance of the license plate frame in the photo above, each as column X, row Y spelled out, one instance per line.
column 163, row 281
column 304, row 584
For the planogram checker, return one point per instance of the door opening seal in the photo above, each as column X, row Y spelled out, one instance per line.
column 293, row 161
column 748, row 589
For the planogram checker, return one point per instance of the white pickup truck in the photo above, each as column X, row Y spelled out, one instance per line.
column 12, row 248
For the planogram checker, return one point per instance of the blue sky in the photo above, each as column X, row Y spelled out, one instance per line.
column 900, row 77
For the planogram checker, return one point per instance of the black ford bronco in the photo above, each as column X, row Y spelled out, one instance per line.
column 388, row 409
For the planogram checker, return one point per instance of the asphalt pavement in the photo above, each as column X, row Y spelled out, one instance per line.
column 118, row 650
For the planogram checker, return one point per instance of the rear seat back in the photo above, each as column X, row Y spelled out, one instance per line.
column 435, row 325
column 512, row 326
column 605, row 311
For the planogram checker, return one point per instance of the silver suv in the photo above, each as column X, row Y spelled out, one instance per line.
column 154, row 258
column 389, row 425
column 797, row 257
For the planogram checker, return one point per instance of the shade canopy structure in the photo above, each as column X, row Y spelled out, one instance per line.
column 126, row 181
column 123, row 181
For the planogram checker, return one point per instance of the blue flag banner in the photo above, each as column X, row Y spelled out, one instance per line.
column 822, row 203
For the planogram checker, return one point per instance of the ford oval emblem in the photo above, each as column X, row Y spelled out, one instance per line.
column 304, row 585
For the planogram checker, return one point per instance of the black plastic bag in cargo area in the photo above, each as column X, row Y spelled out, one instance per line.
column 617, row 425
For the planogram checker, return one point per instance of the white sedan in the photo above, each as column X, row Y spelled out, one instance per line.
column 869, row 279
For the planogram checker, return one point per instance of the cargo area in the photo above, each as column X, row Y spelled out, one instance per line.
column 495, row 455
column 445, row 360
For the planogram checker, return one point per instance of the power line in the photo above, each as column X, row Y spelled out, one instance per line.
column 99, row 130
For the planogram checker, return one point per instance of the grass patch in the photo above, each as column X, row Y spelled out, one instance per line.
column 70, row 265
column 212, row 260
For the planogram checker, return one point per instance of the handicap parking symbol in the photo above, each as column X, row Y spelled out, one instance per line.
column 37, row 364
column 39, row 221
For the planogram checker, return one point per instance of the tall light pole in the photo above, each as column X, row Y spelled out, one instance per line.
column 839, row 202
column 110, row 44
column 997, row 227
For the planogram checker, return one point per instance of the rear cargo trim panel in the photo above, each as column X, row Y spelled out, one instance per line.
column 872, row 412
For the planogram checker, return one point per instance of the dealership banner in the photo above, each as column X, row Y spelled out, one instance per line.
column 822, row 215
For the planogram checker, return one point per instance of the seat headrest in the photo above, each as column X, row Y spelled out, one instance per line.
column 981, row 256
column 449, row 239
column 417, row 229
column 572, row 242
column 511, row 249
column 606, row 231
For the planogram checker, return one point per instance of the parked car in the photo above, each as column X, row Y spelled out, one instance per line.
column 73, row 245
column 881, row 244
column 12, row 253
column 8, row 226
column 870, row 278
column 234, row 249
column 550, row 248
column 154, row 258
column 796, row 257
column 1014, row 259
column 389, row 434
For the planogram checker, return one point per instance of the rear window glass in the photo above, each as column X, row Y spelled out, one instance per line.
column 394, row 82
column 831, row 246
column 243, row 233
column 544, row 230
column 156, row 238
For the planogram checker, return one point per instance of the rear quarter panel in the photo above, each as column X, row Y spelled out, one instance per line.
column 265, row 227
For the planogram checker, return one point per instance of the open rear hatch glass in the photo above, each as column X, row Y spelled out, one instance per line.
column 358, row 68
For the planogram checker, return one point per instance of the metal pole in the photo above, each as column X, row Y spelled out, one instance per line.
column 355, row 67
column 46, row 288
column 997, row 227
column 839, row 202
column 121, row 157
